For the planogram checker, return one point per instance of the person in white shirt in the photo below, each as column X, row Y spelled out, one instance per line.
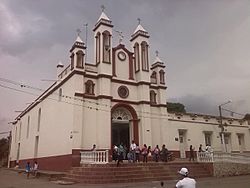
column 35, row 169
column 132, row 149
column 186, row 182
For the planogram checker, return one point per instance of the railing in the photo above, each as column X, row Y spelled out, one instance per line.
column 223, row 157
column 232, row 157
column 94, row 157
column 205, row 157
column 64, row 72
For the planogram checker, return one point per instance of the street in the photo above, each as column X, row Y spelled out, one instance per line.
column 12, row 179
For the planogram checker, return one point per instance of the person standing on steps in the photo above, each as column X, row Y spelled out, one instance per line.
column 191, row 153
column 145, row 153
column 132, row 149
column 200, row 148
column 185, row 182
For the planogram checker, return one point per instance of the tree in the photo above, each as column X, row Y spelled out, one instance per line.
column 176, row 107
column 4, row 150
column 247, row 117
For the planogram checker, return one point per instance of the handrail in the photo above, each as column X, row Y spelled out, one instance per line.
column 94, row 157
column 223, row 157
column 64, row 72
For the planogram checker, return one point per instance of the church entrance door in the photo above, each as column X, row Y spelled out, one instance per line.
column 120, row 134
column 124, row 125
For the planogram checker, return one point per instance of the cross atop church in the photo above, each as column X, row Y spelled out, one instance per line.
column 103, row 8
column 157, row 53
column 78, row 32
column 120, row 35
column 139, row 21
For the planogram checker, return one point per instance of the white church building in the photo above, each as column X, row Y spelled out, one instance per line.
column 118, row 98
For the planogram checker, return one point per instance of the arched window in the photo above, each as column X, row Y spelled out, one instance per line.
column 79, row 59
column 72, row 61
column 137, row 57
column 89, row 87
column 106, row 46
column 153, row 78
column 144, row 56
column 152, row 97
column 98, row 49
column 162, row 77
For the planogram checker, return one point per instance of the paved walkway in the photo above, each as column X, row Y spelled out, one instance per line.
column 13, row 179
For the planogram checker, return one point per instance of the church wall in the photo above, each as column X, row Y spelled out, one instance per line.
column 145, row 125
column 143, row 93
column 89, row 134
column 78, row 111
column 156, row 127
column 54, row 131
column 133, row 94
column 194, row 135
column 196, row 127
column 103, row 86
column 162, row 98
column 103, row 128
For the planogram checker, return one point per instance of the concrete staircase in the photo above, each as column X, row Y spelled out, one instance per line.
column 135, row 172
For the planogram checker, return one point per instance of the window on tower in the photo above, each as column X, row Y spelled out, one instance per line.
column 89, row 87
column 144, row 56
column 153, row 78
column 152, row 97
column 137, row 57
column 72, row 61
column 98, row 44
column 79, row 61
column 162, row 77
column 106, row 46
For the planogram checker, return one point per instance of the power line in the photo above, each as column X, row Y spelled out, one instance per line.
column 232, row 112
column 18, row 90
column 64, row 96
column 42, row 90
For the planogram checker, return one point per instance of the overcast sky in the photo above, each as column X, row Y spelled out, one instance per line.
column 205, row 45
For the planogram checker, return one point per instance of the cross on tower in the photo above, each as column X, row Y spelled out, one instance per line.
column 103, row 8
column 157, row 53
column 139, row 21
column 120, row 35
column 78, row 31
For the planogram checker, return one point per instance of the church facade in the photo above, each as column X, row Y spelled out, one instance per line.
column 119, row 98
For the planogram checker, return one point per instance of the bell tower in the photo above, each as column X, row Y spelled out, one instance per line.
column 78, row 54
column 103, row 44
column 140, row 45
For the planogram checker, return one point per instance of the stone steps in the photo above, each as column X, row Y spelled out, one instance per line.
column 133, row 172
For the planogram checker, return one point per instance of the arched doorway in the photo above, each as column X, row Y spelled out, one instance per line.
column 124, row 125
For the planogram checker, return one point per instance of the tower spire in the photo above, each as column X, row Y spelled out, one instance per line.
column 139, row 31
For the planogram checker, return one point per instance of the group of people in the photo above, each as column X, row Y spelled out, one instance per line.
column 135, row 153
column 29, row 169
column 208, row 149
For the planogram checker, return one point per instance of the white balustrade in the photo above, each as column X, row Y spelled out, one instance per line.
column 232, row 157
column 94, row 157
column 206, row 157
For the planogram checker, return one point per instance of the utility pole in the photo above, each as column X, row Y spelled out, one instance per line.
column 222, row 132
